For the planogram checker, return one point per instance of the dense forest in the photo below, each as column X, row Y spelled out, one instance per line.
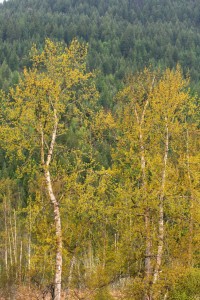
column 123, row 36
column 99, row 149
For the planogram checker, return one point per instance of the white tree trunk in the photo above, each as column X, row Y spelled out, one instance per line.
column 148, row 267
column 6, row 237
column 71, row 267
column 29, row 246
column 161, row 210
column 57, row 218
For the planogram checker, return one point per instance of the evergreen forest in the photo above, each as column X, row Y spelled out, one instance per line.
column 100, row 150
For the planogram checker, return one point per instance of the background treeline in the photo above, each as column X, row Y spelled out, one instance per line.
column 123, row 35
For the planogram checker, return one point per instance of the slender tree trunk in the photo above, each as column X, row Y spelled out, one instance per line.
column 15, row 245
column 12, row 240
column 71, row 267
column 161, row 210
column 91, row 256
column 148, row 245
column 57, row 220
column 29, row 247
column 140, row 119
column 20, row 262
column 148, row 267
column 6, row 237
column 15, row 237
column 104, row 246
column 146, row 212
column 72, row 263
column 191, row 222
column 10, row 248
column 6, row 258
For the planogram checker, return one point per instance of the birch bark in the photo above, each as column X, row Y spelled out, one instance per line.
column 56, row 209
column 148, row 267
column 161, row 208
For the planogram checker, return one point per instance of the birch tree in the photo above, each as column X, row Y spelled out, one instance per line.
column 151, row 115
column 38, row 113
column 169, row 100
column 134, row 127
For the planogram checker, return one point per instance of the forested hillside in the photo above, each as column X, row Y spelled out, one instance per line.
column 123, row 35
column 99, row 150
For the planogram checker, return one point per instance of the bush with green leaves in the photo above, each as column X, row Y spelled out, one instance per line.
column 188, row 287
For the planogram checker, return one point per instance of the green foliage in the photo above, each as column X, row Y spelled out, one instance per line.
column 187, row 287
